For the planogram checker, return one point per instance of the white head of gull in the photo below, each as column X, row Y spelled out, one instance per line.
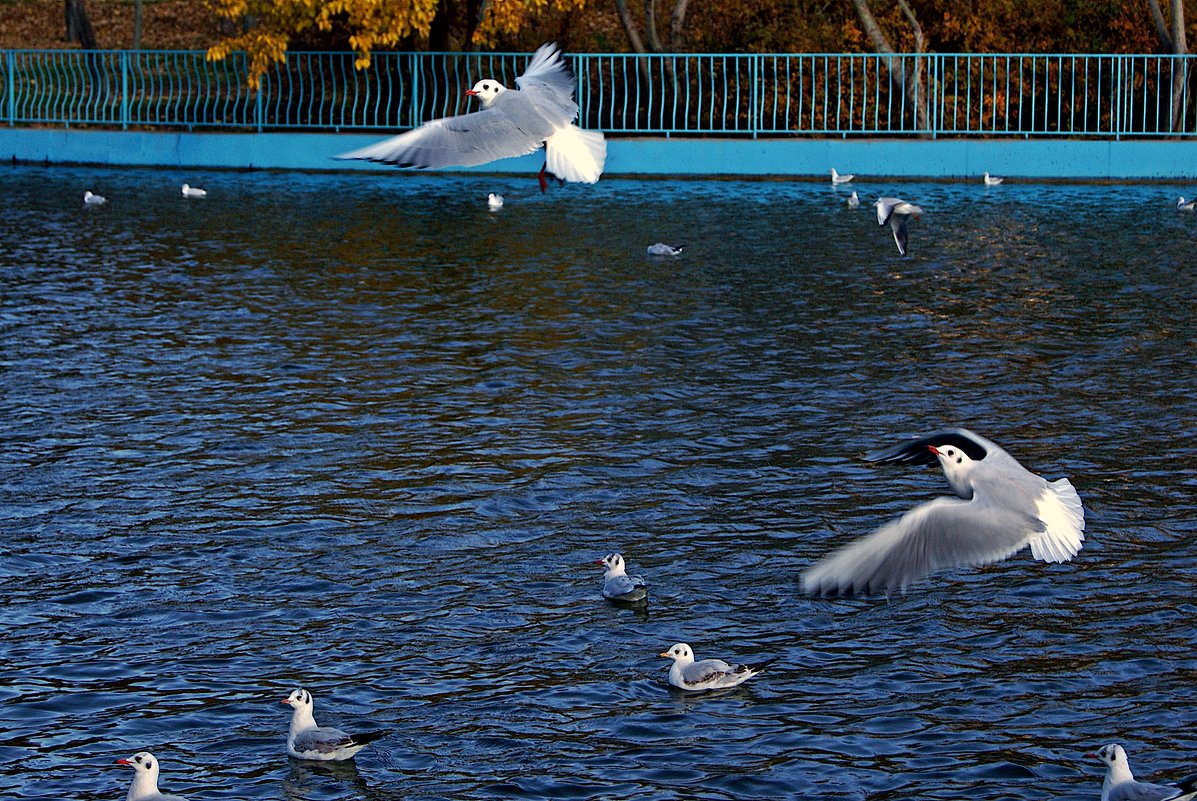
column 145, row 779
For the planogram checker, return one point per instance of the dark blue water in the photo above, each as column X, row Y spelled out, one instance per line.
column 358, row 434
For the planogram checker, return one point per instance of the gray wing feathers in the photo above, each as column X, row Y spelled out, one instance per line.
column 1143, row 791
column 705, row 670
column 945, row 532
column 462, row 141
column 323, row 740
column 549, row 85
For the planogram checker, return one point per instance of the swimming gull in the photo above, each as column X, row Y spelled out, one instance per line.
column 145, row 779
column 306, row 740
column 706, row 674
column 618, row 585
column 854, row 200
column 1120, row 784
column 193, row 191
column 661, row 249
column 494, row 202
column 1000, row 508
column 541, row 113
column 1185, row 205
column 836, row 178
column 991, row 180
column 93, row 200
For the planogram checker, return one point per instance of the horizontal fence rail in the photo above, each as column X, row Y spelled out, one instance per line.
column 928, row 95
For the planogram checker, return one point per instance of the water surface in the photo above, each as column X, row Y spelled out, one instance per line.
column 356, row 433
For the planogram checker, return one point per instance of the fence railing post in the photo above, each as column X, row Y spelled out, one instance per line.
column 124, row 61
column 11, row 62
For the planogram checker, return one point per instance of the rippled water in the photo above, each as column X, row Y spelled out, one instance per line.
column 359, row 434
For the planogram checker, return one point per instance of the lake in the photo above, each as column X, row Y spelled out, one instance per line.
column 357, row 433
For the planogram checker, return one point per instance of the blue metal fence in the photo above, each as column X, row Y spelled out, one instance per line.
column 1110, row 96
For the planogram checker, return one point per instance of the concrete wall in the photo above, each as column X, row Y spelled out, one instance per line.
column 1063, row 159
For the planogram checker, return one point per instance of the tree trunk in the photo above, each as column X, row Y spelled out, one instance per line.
column 78, row 25
column 908, row 81
column 1175, row 43
column 676, row 22
column 629, row 27
column 136, row 24
column 650, row 26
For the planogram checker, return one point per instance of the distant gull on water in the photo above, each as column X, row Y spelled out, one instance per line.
column 618, row 585
column 706, row 674
column 306, row 740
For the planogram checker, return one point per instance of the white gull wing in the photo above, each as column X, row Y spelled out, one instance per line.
column 463, row 141
column 549, row 84
column 1144, row 791
column 711, row 674
column 943, row 533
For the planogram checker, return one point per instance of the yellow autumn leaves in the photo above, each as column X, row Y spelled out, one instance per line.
column 371, row 24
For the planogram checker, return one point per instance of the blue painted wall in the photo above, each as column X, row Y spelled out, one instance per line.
column 1064, row 159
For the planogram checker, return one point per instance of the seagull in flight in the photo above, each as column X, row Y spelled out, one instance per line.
column 510, row 123
column 145, row 779
column 896, row 212
column 706, row 674
column 1120, row 783
column 306, row 740
column 999, row 507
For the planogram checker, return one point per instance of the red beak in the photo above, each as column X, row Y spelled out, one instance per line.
column 470, row 92
column 122, row 762
column 286, row 701
column 933, row 449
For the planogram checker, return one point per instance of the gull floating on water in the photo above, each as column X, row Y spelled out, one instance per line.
column 145, row 779
column 853, row 200
column 191, row 191
column 618, row 585
column 991, row 180
column 1000, row 508
column 1185, row 205
column 896, row 212
column 661, row 249
column 93, row 200
column 707, row 674
column 836, row 178
column 509, row 124
column 494, row 202
column 1120, row 784
column 306, row 740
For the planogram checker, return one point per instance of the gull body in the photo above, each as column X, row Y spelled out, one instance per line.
column 191, row 191
column 707, row 674
column 494, row 202
column 1185, row 205
column 1120, row 783
column 510, row 123
column 661, row 249
column 836, row 178
column 618, row 585
column 145, row 779
column 854, row 200
column 306, row 740
column 93, row 200
column 999, row 508
column 991, row 180
column 896, row 212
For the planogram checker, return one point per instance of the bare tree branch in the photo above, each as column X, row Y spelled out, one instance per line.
column 1161, row 27
column 650, row 26
column 676, row 23
column 629, row 27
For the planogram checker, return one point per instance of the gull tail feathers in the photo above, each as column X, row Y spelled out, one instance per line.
column 574, row 154
column 1063, row 519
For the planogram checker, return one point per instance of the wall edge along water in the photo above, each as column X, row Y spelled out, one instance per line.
column 1063, row 159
